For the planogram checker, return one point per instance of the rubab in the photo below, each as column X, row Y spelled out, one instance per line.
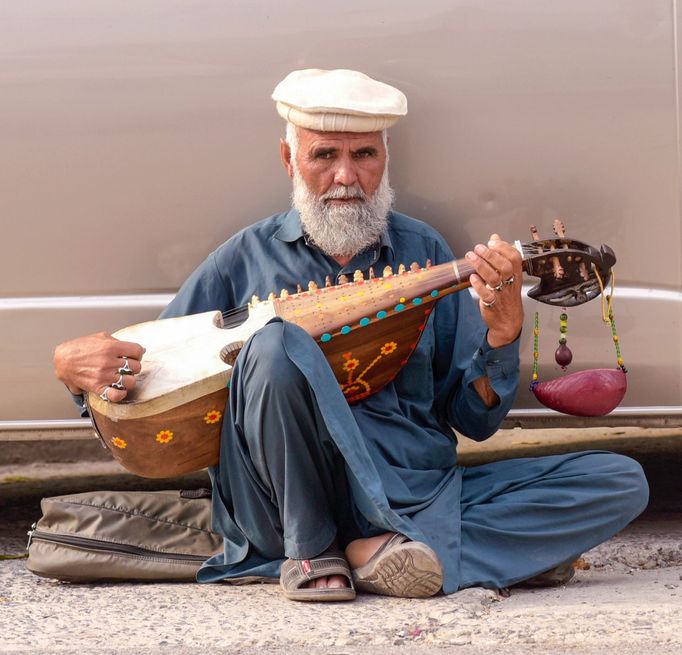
column 367, row 328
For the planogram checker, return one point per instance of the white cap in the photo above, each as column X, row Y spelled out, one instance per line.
column 338, row 101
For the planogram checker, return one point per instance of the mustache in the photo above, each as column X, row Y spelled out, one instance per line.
column 340, row 191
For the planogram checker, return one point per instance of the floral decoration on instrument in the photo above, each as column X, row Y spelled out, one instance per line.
column 213, row 417
column 359, row 388
column 164, row 436
column 119, row 443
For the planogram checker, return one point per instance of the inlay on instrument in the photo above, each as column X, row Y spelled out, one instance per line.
column 367, row 328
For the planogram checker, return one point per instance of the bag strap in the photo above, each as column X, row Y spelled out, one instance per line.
column 195, row 493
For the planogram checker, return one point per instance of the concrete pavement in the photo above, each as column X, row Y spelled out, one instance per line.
column 628, row 601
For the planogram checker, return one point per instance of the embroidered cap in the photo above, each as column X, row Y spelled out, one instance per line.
column 338, row 101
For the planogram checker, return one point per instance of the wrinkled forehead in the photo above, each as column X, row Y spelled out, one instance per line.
column 308, row 139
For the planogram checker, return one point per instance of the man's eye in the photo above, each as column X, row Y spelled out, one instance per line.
column 324, row 154
column 364, row 154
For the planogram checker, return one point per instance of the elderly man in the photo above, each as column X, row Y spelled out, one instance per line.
column 332, row 497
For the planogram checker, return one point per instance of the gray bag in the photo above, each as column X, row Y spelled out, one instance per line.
column 123, row 535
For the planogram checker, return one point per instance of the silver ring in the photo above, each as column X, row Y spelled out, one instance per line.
column 119, row 384
column 105, row 394
column 125, row 369
column 509, row 281
column 498, row 288
column 488, row 304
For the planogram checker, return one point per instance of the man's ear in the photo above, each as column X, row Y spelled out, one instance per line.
column 285, row 156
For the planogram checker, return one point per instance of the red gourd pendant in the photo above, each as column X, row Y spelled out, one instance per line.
column 595, row 392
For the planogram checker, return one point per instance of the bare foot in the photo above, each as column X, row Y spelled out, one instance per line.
column 359, row 552
column 330, row 581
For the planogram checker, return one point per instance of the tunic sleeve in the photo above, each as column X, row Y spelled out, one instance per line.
column 204, row 290
column 462, row 355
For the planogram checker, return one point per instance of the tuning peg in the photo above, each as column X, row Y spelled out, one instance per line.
column 534, row 233
column 283, row 294
column 428, row 263
column 343, row 279
column 559, row 228
column 583, row 271
column 414, row 267
column 557, row 268
column 401, row 269
column 358, row 276
column 254, row 300
column 328, row 281
column 272, row 295
column 388, row 271
column 312, row 286
column 299, row 288
column 371, row 272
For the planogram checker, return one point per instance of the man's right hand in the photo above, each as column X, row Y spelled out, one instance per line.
column 92, row 363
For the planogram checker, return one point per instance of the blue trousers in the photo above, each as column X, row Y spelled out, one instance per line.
column 282, row 488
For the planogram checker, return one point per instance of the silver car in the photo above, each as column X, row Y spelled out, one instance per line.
column 137, row 137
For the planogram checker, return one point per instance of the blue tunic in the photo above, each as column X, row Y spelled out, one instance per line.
column 400, row 450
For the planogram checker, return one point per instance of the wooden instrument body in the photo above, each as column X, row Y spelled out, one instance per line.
column 170, row 423
column 367, row 329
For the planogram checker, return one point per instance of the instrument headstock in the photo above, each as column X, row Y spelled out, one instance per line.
column 567, row 268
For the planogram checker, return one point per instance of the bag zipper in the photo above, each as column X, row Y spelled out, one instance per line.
column 106, row 546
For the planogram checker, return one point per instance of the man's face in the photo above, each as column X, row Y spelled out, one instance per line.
column 340, row 188
column 330, row 159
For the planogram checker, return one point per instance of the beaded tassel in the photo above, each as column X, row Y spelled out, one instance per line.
column 616, row 342
column 563, row 354
column 536, row 352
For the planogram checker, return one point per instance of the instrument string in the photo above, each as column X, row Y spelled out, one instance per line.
column 234, row 310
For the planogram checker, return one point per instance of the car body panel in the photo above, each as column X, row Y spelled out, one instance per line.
column 136, row 138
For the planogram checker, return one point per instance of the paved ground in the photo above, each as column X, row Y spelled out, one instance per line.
column 628, row 601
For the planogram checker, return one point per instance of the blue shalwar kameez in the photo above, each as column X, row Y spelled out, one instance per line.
column 300, row 467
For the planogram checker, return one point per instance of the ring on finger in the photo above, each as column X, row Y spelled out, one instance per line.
column 119, row 384
column 489, row 304
column 125, row 369
column 498, row 288
column 105, row 394
column 509, row 281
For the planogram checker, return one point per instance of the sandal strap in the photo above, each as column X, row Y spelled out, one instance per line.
column 296, row 572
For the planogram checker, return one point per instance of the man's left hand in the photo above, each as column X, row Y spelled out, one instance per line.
column 497, row 282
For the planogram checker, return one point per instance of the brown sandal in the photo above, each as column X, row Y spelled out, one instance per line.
column 296, row 572
column 403, row 568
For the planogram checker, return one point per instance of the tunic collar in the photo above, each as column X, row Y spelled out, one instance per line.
column 291, row 230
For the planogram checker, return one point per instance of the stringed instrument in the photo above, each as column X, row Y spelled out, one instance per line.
column 170, row 423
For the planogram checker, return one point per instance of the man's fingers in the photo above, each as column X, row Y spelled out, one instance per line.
column 129, row 349
column 485, row 293
column 506, row 249
column 129, row 366
column 112, row 395
column 121, row 380
column 483, row 267
column 96, row 362
column 499, row 262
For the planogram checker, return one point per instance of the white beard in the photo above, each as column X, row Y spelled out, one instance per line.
column 346, row 229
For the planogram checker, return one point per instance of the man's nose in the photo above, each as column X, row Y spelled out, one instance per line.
column 345, row 172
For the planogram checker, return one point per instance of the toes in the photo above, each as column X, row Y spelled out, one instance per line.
column 331, row 582
column 337, row 582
